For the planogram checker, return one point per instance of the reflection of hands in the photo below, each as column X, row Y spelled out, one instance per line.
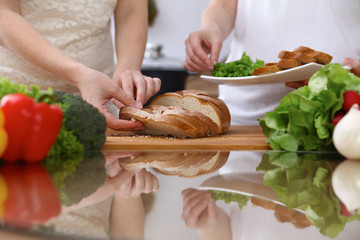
column 126, row 183
column 135, row 183
column 198, row 45
column 354, row 65
column 134, row 83
column 200, row 212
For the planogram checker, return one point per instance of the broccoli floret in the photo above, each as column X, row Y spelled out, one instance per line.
column 84, row 120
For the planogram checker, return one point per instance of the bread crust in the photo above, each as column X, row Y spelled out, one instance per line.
column 266, row 70
column 291, row 59
column 288, row 63
column 161, row 124
column 199, row 98
column 183, row 164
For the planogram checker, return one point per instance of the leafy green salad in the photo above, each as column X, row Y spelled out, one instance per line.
column 239, row 68
column 302, row 121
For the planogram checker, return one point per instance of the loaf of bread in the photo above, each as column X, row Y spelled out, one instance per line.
column 183, row 114
column 183, row 164
column 198, row 101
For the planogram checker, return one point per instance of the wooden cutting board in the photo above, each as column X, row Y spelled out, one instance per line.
column 237, row 138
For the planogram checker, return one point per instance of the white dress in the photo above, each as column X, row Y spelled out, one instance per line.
column 265, row 27
column 80, row 28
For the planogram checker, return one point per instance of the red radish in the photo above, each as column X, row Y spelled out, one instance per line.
column 344, row 211
column 350, row 98
column 338, row 116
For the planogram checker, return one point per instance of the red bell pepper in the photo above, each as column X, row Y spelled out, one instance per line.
column 32, row 198
column 32, row 128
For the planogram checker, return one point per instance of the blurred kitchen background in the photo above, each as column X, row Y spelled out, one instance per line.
column 170, row 24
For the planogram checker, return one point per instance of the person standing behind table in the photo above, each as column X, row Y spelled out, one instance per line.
column 263, row 28
column 68, row 45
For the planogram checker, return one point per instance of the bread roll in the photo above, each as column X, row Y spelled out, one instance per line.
column 266, row 70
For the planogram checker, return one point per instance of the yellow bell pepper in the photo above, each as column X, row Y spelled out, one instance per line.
column 3, row 195
column 3, row 134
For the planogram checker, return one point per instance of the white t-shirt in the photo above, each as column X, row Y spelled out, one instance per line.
column 265, row 27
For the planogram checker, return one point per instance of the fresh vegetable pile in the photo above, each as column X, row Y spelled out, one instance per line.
column 303, row 181
column 305, row 118
column 239, row 68
column 43, row 124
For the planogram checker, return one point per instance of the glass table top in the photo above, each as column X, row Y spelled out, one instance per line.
column 182, row 195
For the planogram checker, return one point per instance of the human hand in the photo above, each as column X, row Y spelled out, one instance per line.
column 136, row 85
column 97, row 89
column 199, row 210
column 198, row 45
column 353, row 64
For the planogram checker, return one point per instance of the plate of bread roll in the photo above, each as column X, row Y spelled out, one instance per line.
column 292, row 66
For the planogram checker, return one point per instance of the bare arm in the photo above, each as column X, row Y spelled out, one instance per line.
column 130, row 33
column 220, row 16
column 216, row 24
column 18, row 36
column 127, row 218
column 131, row 23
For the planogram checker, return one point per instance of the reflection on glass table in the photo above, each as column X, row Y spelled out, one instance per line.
column 184, row 194
column 302, row 195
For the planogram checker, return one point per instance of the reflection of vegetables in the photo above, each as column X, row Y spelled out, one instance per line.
column 84, row 120
column 62, row 164
column 303, row 118
column 228, row 197
column 3, row 195
column 346, row 135
column 303, row 181
column 346, row 184
column 76, row 186
column 3, row 134
column 32, row 197
column 32, row 127
column 238, row 68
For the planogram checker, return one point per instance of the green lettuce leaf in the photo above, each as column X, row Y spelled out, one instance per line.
column 302, row 121
column 239, row 68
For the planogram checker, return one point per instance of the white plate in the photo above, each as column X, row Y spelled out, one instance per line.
column 290, row 75
column 249, row 184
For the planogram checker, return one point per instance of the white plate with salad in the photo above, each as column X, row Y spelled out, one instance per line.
column 300, row 73
column 249, row 184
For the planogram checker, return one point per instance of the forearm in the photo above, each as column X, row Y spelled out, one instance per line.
column 18, row 36
column 130, row 33
column 219, row 16
column 221, row 231
column 127, row 218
